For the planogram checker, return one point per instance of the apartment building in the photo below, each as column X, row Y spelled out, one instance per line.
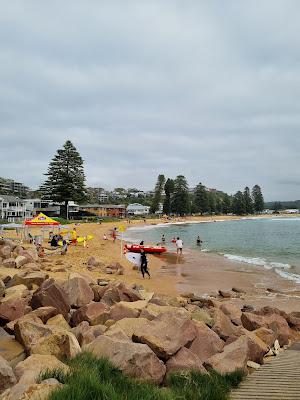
column 12, row 209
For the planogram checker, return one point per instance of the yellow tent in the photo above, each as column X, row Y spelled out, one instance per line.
column 41, row 220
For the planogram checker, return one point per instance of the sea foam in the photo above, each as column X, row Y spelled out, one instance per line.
column 261, row 262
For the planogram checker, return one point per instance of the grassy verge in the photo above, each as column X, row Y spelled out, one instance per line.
column 93, row 379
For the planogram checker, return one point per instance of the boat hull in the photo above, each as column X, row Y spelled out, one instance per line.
column 136, row 248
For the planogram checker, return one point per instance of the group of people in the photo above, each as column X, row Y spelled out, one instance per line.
column 55, row 239
column 179, row 242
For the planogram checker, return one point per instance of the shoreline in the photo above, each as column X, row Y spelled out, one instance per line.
column 168, row 278
column 205, row 273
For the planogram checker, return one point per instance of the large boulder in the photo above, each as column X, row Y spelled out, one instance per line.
column 207, row 342
column 93, row 313
column 44, row 313
column 5, row 252
column 85, row 333
column 11, row 350
column 12, row 309
column 128, row 326
column 185, row 360
column 256, row 347
column 275, row 322
column 9, row 263
column 233, row 312
column 2, row 288
column 222, row 324
column 51, row 294
column 167, row 334
column 41, row 339
column 233, row 357
column 31, row 254
column 7, row 376
column 135, row 360
column 153, row 310
column 33, row 391
column 266, row 335
column 28, row 371
column 29, row 278
column 16, row 292
column 293, row 320
column 110, row 296
column 78, row 292
column 20, row 261
column 10, row 326
column 59, row 321
column 127, row 293
column 123, row 310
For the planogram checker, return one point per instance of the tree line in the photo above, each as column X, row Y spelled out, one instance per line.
column 66, row 181
column 177, row 199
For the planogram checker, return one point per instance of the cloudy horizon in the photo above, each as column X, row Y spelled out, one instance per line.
column 208, row 90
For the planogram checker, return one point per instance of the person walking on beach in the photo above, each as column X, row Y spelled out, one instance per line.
column 179, row 246
column 144, row 264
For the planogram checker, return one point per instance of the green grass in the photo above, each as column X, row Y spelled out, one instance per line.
column 94, row 379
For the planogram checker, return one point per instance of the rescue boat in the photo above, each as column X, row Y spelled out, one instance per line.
column 136, row 248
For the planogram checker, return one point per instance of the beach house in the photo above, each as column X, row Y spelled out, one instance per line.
column 12, row 208
column 137, row 209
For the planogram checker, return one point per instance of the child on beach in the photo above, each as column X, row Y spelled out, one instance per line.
column 144, row 264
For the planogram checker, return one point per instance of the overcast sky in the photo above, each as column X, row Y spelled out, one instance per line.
column 208, row 89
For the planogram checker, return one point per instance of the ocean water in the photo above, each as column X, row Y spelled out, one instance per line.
column 272, row 243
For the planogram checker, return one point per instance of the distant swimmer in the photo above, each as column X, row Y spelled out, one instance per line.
column 199, row 241
column 163, row 239
column 179, row 245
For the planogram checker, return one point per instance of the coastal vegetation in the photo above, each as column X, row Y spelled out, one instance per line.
column 65, row 177
column 66, row 181
column 91, row 378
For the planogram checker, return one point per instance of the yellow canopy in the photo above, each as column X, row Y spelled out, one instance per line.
column 41, row 220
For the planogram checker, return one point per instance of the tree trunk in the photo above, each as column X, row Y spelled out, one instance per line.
column 66, row 211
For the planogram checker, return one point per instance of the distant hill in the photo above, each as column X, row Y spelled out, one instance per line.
column 285, row 204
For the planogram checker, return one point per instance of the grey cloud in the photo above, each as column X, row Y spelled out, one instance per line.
column 205, row 89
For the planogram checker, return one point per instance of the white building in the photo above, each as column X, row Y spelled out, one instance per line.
column 12, row 208
column 103, row 197
column 137, row 209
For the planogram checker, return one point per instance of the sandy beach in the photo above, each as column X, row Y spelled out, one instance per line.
column 199, row 273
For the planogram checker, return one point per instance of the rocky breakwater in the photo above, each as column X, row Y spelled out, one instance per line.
column 147, row 336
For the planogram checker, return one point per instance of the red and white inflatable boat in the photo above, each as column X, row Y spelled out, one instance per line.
column 136, row 248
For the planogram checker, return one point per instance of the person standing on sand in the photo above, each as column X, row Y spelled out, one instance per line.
column 74, row 236
column 144, row 264
column 114, row 234
column 179, row 246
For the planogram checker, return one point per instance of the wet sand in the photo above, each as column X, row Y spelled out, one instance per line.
column 205, row 273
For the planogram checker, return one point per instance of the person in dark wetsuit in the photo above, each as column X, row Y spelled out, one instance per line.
column 144, row 264
column 199, row 241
